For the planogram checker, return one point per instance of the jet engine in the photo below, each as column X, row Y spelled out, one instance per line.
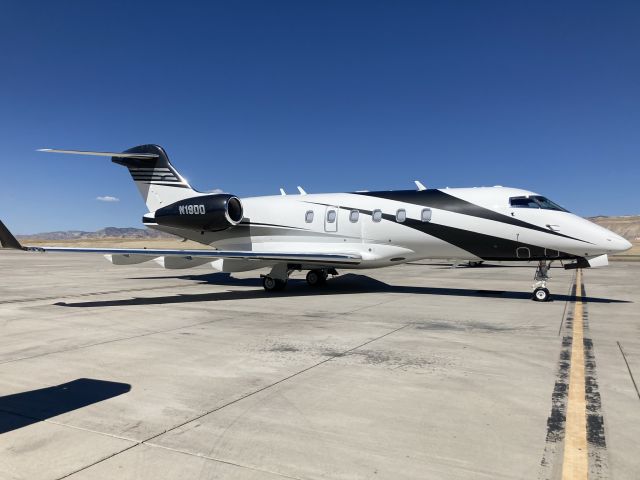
column 207, row 213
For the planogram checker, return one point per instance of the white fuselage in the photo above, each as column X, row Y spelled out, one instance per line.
column 458, row 223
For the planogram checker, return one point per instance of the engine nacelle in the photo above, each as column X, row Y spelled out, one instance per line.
column 207, row 213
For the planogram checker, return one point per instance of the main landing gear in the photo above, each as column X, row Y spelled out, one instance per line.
column 271, row 284
column 276, row 280
column 316, row 278
column 540, row 290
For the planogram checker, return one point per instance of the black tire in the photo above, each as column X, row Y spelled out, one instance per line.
column 541, row 295
column 315, row 278
column 271, row 284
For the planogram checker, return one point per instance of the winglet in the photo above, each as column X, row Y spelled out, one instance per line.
column 7, row 240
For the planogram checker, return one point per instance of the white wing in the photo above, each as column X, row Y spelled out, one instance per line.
column 7, row 240
column 299, row 257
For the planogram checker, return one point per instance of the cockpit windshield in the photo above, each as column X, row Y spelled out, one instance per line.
column 535, row 201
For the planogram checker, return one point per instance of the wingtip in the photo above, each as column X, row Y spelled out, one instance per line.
column 7, row 240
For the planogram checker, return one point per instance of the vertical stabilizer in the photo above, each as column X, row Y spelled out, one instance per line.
column 158, row 181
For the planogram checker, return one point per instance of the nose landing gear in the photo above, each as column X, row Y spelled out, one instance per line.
column 540, row 290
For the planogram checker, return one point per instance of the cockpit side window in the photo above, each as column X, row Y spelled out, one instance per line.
column 535, row 201
column 523, row 202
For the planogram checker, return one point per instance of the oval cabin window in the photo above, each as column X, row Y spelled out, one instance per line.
column 308, row 217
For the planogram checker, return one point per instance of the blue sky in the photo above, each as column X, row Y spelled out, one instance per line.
column 333, row 95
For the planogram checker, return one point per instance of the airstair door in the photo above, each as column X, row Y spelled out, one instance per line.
column 331, row 219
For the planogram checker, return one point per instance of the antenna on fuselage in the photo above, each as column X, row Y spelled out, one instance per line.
column 419, row 185
column 282, row 192
column 301, row 190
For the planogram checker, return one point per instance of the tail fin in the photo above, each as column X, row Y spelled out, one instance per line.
column 158, row 181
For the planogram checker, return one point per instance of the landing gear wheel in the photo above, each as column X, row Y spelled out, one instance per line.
column 541, row 295
column 316, row 278
column 271, row 284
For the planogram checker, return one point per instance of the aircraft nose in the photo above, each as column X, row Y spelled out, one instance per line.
column 617, row 244
column 623, row 244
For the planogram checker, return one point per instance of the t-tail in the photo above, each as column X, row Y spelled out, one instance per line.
column 158, row 181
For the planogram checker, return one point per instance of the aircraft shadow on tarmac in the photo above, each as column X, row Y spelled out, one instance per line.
column 343, row 285
column 26, row 408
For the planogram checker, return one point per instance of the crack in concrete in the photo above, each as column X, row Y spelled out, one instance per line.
column 243, row 397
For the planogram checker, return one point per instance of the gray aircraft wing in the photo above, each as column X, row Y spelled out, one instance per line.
column 9, row 241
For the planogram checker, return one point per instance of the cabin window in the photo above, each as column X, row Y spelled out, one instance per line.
column 376, row 216
column 401, row 215
column 426, row 215
column 331, row 216
column 308, row 217
column 354, row 215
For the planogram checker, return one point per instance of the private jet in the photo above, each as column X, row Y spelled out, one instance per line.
column 320, row 233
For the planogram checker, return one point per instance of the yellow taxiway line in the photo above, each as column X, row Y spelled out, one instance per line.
column 575, row 464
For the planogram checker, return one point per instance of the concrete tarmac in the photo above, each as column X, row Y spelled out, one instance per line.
column 417, row 371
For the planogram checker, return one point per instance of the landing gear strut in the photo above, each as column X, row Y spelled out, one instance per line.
column 540, row 290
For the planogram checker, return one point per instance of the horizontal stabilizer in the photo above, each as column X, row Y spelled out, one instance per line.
column 141, row 156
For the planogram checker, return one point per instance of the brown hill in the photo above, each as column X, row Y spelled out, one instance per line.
column 108, row 232
column 627, row 226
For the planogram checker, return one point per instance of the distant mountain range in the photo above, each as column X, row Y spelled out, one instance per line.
column 109, row 232
column 627, row 226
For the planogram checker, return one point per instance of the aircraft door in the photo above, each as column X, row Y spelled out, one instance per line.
column 331, row 219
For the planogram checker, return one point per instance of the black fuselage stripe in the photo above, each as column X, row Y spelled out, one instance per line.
column 438, row 199
column 487, row 247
